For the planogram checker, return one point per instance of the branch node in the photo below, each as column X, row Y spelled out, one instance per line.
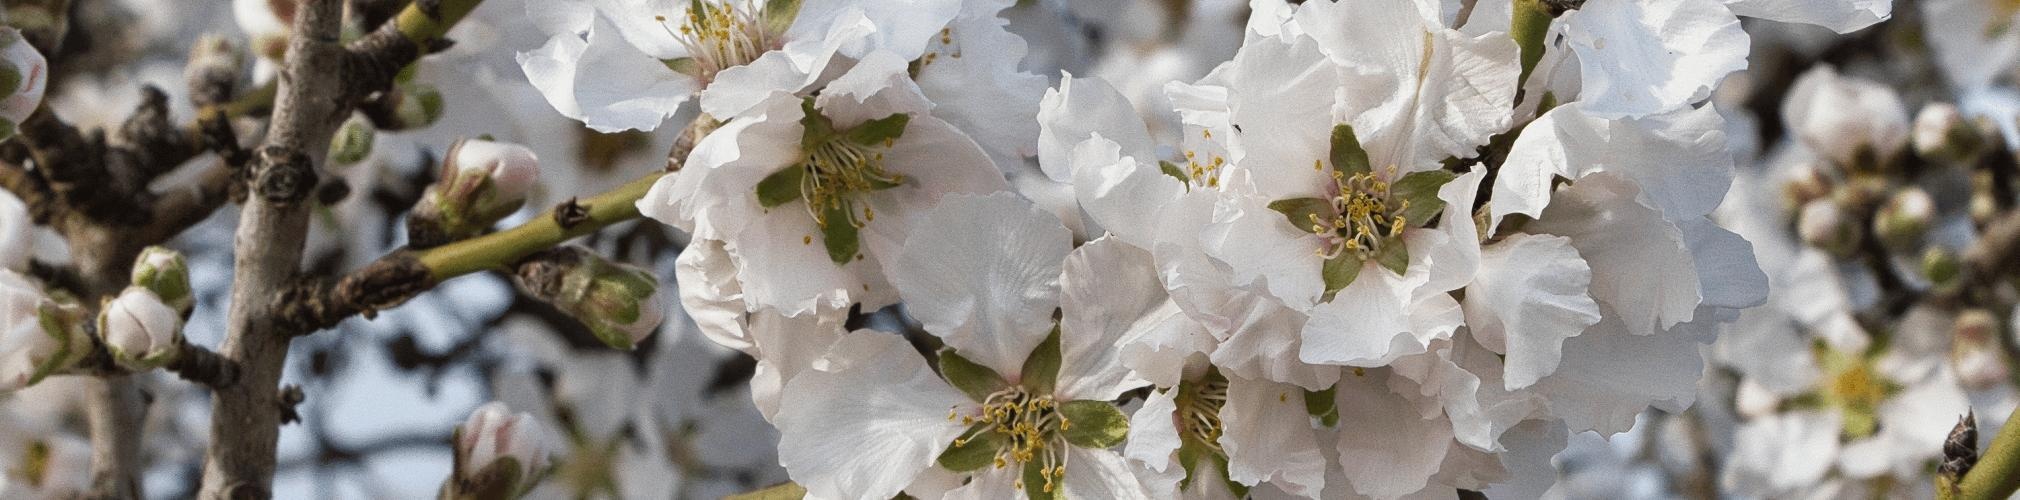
column 569, row 213
column 284, row 176
column 290, row 397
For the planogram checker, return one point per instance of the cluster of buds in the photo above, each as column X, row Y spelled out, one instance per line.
column 24, row 75
column 40, row 333
column 482, row 181
column 499, row 455
column 142, row 327
column 619, row 303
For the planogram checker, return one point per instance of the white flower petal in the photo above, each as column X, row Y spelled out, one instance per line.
column 1727, row 273
column 868, row 427
column 1366, row 324
column 1122, row 194
column 987, row 288
column 1609, row 375
column 1280, row 104
column 1647, row 57
column 1153, row 431
column 983, row 92
column 606, row 82
column 1269, row 438
column 1259, row 244
column 1842, row 16
column 1108, row 291
column 1781, row 454
column 17, row 233
column 1678, row 159
column 711, row 293
column 1078, row 109
column 1529, row 297
column 1386, row 448
column 876, row 87
column 1099, row 474
column 784, row 347
column 1641, row 267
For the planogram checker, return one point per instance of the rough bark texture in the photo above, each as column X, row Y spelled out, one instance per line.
column 245, row 416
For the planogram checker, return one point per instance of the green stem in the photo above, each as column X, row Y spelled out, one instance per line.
column 543, row 232
column 421, row 27
column 1529, row 27
column 1997, row 474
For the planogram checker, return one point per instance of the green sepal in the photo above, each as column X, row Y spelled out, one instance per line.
column 1340, row 271
column 1093, row 424
column 1322, row 405
column 781, row 187
column 1041, row 369
column 818, row 127
column 876, row 132
column 10, row 79
column 973, row 379
column 1395, row 256
column 1420, row 191
column 683, row 65
column 1034, row 482
column 1300, row 212
column 778, row 15
column 1346, row 154
column 1173, row 170
column 839, row 234
column 498, row 480
column 978, row 452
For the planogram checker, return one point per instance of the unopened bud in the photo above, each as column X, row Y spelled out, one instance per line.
column 1857, row 123
column 140, row 330
column 1807, row 182
column 1975, row 352
column 1943, row 134
column 165, row 273
column 417, row 105
column 24, row 75
column 499, row 454
column 482, row 182
column 39, row 334
column 1823, row 225
column 216, row 70
column 1904, row 219
column 353, row 141
column 1940, row 266
column 17, row 232
column 619, row 303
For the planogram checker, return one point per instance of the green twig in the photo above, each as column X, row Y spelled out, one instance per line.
column 503, row 248
column 1997, row 473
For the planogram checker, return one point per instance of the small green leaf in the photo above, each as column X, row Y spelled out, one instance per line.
column 1176, row 172
column 1034, row 482
column 1395, row 256
column 1301, row 211
column 973, row 379
column 778, row 15
column 1420, row 191
column 1347, row 155
column 1093, row 424
column 1340, row 271
column 1041, row 369
column 781, row 187
column 683, row 65
column 979, row 451
column 1321, row 405
column 875, row 132
column 819, row 128
column 839, row 234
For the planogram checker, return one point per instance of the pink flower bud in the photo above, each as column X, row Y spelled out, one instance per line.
column 493, row 433
column 24, row 75
column 141, row 330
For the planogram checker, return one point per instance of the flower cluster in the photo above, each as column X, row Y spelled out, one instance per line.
column 1389, row 247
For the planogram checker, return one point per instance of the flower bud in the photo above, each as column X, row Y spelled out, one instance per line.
column 353, row 141
column 499, row 454
column 17, row 232
column 1975, row 351
column 216, row 70
column 1942, row 133
column 24, row 75
column 1856, row 123
column 1823, row 225
column 1904, row 219
column 141, row 331
column 165, row 273
column 39, row 334
column 619, row 303
column 416, row 105
column 482, row 182
column 1807, row 182
column 1940, row 266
